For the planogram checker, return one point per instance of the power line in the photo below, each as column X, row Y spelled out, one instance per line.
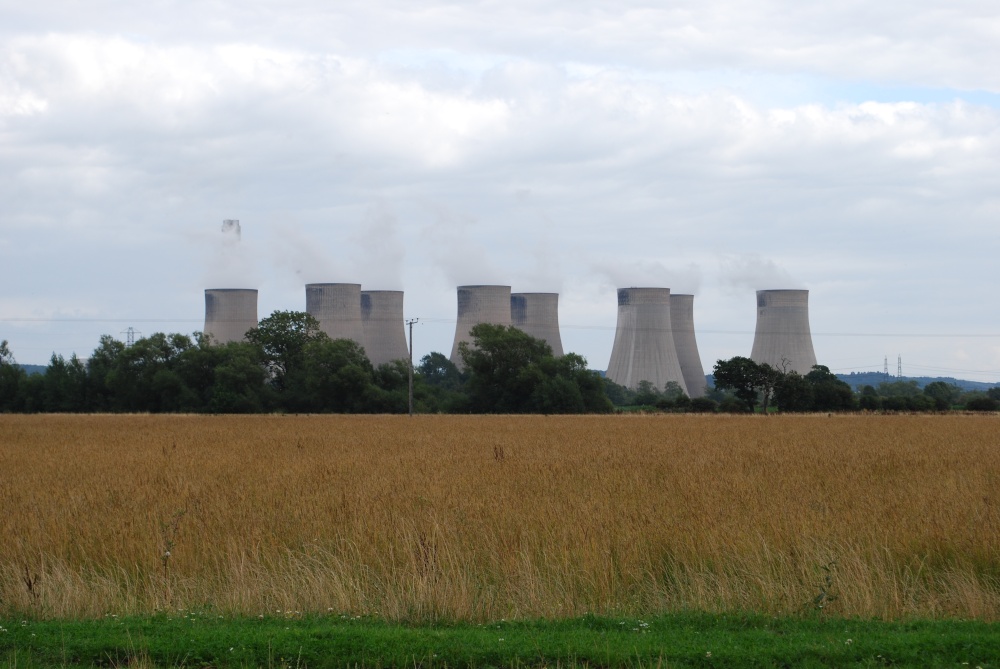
column 452, row 321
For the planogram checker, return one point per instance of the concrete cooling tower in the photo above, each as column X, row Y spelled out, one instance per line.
column 682, row 320
column 382, row 325
column 644, row 343
column 783, row 330
column 229, row 313
column 538, row 315
column 337, row 307
column 479, row 304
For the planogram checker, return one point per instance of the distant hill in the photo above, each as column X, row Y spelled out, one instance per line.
column 860, row 379
column 33, row 369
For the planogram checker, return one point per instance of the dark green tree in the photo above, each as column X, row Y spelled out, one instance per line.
column 11, row 379
column 437, row 370
column 238, row 379
column 794, row 393
column 646, row 394
column 65, row 385
column 331, row 376
column 869, row 399
column 619, row 395
column 438, row 385
column 746, row 379
column 101, row 374
column 943, row 394
column 829, row 393
column 282, row 338
column 512, row 372
column 898, row 389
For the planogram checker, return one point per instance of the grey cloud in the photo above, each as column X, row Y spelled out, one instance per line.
column 128, row 142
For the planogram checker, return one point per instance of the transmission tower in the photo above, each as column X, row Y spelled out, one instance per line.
column 130, row 336
column 899, row 366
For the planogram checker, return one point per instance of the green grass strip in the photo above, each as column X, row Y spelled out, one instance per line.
column 678, row 640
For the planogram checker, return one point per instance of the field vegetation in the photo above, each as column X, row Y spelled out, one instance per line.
column 476, row 518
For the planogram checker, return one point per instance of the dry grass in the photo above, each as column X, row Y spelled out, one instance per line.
column 490, row 517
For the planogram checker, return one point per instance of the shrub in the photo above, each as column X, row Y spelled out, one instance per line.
column 703, row 405
column 982, row 404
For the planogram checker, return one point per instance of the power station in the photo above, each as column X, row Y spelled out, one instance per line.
column 644, row 344
column 382, row 326
column 230, row 313
column 537, row 314
column 682, row 321
column 337, row 307
column 654, row 340
column 782, row 337
column 479, row 304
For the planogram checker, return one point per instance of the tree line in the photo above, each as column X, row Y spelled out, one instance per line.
column 287, row 364
column 754, row 385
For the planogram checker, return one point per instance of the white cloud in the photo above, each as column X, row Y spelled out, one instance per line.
column 549, row 146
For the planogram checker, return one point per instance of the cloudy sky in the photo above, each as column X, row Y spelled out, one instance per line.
column 715, row 147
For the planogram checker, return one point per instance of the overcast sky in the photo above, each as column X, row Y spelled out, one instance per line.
column 713, row 147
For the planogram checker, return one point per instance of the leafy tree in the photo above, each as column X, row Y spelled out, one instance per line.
column 794, row 393
column 282, row 338
column 238, row 380
column 943, row 394
column 11, row 378
column 438, row 386
column 140, row 378
column 330, row 376
column 898, row 389
column 512, row 372
column 869, row 400
column 829, row 393
column 437, row 370
column 65, row 385
column 747, row 379
column 390, row 390
column 619, row 395
column 646, row 394
column 502, row 368
column 102, row 374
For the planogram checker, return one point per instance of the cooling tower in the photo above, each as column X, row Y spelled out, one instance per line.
column 479, row 304
column 337, row 307
column 382, row 324
column 538, row 315
column 682, row 320
column 229, row 313
column 783, row 330
column 644, row 344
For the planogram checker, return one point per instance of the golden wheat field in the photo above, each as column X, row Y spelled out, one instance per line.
column 492, row 517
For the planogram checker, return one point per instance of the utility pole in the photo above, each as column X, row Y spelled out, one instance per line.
column 410, row 323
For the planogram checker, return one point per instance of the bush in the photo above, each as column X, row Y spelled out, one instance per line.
column 733, row 405
column 982, row 404
column 703, row 405
column 921, row 403
column 895, row 403
column 869, row 402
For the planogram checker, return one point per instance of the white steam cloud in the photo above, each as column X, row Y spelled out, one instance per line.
column 751, row 272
